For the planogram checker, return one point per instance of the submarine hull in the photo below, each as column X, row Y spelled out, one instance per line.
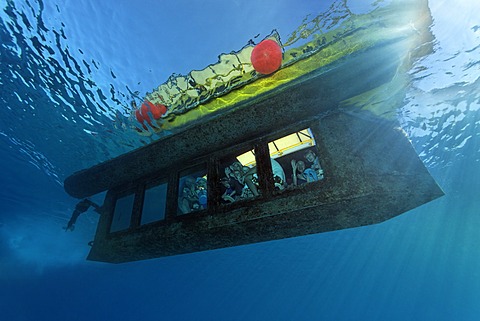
column 373, row 174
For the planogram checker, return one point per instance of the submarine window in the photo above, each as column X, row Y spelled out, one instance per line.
column 192, row 190
column 298, row 156
column 123, row 213
column 235, row 182
column 154, row 203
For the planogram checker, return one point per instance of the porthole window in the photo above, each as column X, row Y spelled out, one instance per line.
column 192, row 190
column 238, row 178
column 154, row 203
column 295, row 160
column 122, row 214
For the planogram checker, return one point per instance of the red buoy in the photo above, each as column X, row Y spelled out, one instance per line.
column 162, row 109
column 266, row 57
column 144, row 112
column 154, row 109
column 139, row 116
column 149, row 111
column 157, row 110
column 140, row 119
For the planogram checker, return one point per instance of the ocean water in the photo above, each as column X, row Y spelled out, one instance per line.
column 68, row 72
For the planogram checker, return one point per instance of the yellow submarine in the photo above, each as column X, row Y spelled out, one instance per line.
column 245, row 157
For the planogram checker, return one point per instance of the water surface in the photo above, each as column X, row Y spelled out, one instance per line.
column 68, row 73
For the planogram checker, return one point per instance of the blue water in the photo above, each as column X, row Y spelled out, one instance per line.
column 68, row 72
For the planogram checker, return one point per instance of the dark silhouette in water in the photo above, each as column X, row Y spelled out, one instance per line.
column 80, row 208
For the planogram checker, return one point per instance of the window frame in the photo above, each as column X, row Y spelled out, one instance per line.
column 212, row 162
column 152, row 183
column 130, row 189
column 198, row 164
